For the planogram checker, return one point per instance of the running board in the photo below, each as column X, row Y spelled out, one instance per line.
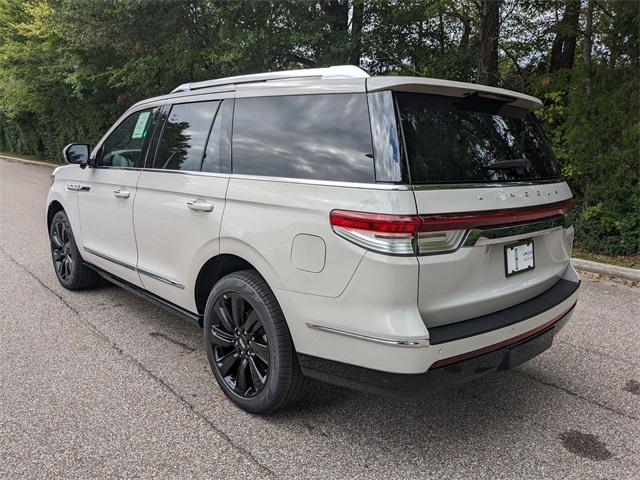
column 147, row 295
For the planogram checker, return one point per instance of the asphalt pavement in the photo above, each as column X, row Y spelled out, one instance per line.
column 100, row 383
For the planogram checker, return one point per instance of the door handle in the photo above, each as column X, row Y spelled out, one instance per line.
column 200, row 206
column 121, row 193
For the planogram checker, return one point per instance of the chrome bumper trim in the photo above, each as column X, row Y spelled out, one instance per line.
column 408, row 342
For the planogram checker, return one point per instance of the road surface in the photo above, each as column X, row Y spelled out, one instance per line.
column 101, row 383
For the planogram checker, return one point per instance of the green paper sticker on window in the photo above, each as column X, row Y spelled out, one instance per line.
column 139, row 131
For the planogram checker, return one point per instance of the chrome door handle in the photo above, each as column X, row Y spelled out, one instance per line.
column 200, row 206
column 121, row 193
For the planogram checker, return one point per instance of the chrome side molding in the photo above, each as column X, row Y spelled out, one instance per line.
column 405, row 342
column 133, row 268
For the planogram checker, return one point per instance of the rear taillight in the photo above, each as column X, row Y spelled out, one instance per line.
column 429, row 234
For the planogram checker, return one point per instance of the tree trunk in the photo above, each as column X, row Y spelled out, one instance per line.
column 488, row 48
column 571, row 25
column 588, row 43
column 357, row 20
column 564, row 45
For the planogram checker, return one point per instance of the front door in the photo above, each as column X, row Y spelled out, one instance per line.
column 108, row 190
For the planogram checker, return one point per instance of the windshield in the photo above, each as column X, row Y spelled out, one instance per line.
column 471, row 139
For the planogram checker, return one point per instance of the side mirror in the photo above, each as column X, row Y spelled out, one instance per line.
column 77, row 153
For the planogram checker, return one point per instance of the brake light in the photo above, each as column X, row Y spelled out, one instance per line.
column 433, row 233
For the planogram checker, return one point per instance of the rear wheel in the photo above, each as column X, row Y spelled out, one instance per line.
column 249, row 345
column 67, row 261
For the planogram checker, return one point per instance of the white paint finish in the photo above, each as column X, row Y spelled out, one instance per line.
column 173, row 240
column 107, row 221
column 262, row 218
column 471, row 281
column 308, row 253
column 437, row 86
column 301, row 87
column 389, row 358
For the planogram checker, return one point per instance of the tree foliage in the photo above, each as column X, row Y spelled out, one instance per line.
column 69, row 68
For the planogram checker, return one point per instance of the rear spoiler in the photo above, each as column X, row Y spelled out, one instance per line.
column 449, row 88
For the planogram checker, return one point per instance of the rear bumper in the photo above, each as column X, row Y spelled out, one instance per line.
column 453, row 370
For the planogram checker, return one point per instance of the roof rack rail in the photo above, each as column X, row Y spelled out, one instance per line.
column 339, row 71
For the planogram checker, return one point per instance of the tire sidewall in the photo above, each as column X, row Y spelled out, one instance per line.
column 275, row 389
column 61, row 216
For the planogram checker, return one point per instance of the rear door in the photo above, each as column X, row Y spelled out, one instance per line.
column 181, row 197
column 106, row 196
column 493, row 205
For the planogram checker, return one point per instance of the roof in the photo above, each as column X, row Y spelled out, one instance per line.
column 341, row 79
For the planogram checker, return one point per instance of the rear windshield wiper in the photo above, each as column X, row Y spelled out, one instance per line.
column 508, row 164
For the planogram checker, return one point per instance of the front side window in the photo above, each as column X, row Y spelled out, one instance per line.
column 320, row 137
column 125, row 146
column 184, row 136
column 472, row 139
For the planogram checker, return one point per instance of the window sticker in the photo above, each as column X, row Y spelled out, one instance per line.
column 139, row 130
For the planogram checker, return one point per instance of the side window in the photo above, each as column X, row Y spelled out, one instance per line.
column 125, row 146
column 184, row 136
column 321, row 137
column 217, row 158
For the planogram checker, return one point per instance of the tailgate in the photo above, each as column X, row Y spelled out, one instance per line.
column 474, row 280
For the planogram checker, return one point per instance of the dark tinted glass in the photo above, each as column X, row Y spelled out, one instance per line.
column 125, row 145
column 472, row 140
column 218, row 155
column 184, row 136
column 322, row 137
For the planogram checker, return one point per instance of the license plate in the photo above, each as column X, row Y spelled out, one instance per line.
column 518, row 258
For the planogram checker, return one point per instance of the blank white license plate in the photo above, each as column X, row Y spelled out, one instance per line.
column 519, row 258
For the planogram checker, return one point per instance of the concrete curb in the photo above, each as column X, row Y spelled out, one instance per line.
column 606, row 269
column 32, row 162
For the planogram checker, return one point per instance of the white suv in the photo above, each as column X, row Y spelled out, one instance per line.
column 391, row 234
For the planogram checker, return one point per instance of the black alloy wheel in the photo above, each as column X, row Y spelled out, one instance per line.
column 61, row 250
column 240, row 345
column 70, row 269
column 249, row 345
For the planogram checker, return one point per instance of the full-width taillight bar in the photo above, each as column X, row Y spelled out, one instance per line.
column 431, row 233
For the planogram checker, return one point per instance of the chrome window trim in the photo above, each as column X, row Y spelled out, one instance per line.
column 404, row 342
column 133, row 268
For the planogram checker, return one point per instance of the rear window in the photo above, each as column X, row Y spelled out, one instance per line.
column 320, row 137
column 471, row 139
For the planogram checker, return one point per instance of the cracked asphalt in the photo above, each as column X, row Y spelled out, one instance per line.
column 100, row 384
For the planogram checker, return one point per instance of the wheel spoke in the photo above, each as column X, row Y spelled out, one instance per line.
column 257, row 378
column 252, row 322
column 56, row 239
column 241, row 378
column 227, row 362
column 225, row 317
column 57, row 254
column 262, row 351
column 221, row 338
column 237, row 310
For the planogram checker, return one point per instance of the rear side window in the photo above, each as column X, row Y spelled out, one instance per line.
column 184, row 136
column 319, row 137
column 450, row 139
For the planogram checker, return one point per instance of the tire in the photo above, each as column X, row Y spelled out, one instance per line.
column 72, row 273
column 256, row 365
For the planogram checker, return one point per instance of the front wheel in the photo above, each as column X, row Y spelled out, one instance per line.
column 249, row 345
column 72, row 273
